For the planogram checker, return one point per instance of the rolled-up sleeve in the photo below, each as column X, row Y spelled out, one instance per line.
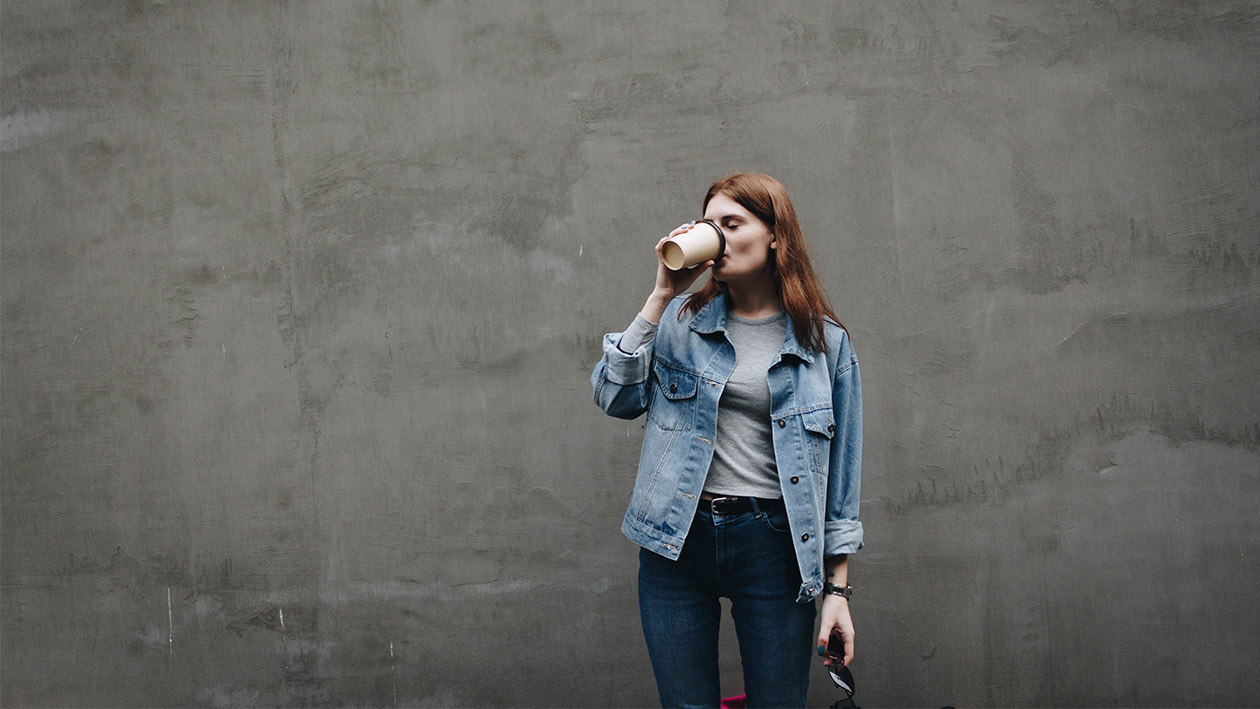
column 842, row 530
column 620, row 380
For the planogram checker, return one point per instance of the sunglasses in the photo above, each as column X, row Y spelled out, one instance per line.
column 840, row 674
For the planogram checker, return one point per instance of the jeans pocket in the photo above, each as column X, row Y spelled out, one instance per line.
column 776, row 519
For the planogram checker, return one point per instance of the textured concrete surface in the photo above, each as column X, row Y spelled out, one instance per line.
column 300, row 298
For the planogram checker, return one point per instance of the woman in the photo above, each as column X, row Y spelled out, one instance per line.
column 748, row 478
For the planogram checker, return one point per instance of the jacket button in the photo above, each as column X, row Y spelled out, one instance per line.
column 805, row 537
column 782, row 423
column 831, row 428
column 795, row 479
column 673, row 388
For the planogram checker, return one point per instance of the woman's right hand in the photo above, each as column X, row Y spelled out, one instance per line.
column 670, row 283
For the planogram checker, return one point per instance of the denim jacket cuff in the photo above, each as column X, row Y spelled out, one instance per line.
column 625, row 369
column 842, row 536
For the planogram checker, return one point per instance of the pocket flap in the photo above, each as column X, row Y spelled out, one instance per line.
column 819, row 421
column 675, row 383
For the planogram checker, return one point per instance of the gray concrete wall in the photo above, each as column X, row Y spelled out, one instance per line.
column 300, row 300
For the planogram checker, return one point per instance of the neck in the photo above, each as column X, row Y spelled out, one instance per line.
column 760, row 301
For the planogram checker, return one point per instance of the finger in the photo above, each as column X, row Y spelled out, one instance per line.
column 848, row 650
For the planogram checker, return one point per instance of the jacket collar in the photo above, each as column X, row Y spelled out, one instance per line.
column 712, row 319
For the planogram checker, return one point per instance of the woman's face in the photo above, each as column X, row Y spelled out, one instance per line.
column 749, row 248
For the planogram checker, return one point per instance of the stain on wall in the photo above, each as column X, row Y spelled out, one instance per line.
column 299, row 302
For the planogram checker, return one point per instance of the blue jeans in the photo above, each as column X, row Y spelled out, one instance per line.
column 747, row 557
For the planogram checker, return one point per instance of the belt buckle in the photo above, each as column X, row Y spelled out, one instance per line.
column 713, row 505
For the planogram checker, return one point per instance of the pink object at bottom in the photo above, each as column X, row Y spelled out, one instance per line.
column 739, row 702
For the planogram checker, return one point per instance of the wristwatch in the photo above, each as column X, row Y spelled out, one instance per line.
column 846, row 590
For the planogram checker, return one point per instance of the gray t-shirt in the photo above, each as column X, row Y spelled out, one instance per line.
column 743, row 454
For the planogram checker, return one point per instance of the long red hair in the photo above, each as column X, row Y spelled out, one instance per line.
column 798, row 287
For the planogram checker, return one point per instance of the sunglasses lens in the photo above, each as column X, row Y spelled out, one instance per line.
column 842, row 677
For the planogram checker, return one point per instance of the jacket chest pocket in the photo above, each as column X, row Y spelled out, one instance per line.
column 674, row 398
column 820, row 428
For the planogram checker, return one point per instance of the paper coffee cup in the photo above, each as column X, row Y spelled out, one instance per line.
column 698, row 244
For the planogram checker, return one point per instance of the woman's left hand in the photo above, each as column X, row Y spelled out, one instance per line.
column 835, row 614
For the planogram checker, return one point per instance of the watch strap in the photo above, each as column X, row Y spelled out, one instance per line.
column 846, row 591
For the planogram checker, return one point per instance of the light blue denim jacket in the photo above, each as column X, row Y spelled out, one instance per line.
column 816, row 417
